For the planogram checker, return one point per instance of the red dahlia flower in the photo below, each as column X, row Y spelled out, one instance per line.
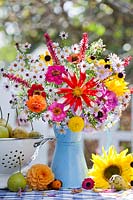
column 36, row 89
column 77, row 90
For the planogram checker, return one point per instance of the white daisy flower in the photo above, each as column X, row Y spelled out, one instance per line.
column 6, row 85
column 83, row 66
column 116, row 63
column 19, row 57
column 58, row 51
column 22, row 119
column 63, row 35
column 67, row 50
column 55, row 45
column 47, row 116
column 26, row 74
column 75, row 48
column 24, row 47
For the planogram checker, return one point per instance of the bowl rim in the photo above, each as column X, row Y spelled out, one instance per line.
column 10, row 139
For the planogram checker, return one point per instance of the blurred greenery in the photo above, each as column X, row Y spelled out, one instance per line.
column 28, row 20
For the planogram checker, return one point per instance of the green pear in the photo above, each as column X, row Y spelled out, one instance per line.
column 33, row 133
column 16, row 182
column 3, row 122
column 4, row 133
column 19, row 132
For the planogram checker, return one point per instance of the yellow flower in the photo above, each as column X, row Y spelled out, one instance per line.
column 109, row 164
column 46, row 58
column 117, row 85
column 76, row 124
column 91, row 59
column 101, row 62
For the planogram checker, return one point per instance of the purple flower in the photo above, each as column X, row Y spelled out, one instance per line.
column 102, row 115
column 111, row 101
column 108, row 98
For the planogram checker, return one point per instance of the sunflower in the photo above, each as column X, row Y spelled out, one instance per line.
column 46, row 58
column 109, row 164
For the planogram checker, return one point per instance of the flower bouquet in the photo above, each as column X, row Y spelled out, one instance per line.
column 79, row 87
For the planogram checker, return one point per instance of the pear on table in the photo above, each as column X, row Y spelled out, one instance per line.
column 16, row 182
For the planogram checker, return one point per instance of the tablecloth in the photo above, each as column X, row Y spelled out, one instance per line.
column 66, row 195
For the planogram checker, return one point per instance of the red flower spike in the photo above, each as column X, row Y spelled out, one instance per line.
column 84, row 45
column 51, row 50
column 131, row 90
column 127, row 61
column 16, row 79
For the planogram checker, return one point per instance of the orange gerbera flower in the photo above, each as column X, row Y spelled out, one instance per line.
column 78, row 91
column 36, row 103
column 74, row 58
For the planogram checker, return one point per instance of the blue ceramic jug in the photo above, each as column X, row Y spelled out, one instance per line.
column 68, row 162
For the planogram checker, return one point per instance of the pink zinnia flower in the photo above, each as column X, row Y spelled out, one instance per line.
column 54, row 74
column 57, row 110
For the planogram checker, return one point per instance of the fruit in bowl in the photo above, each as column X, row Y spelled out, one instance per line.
column 19, row 132
column 4, row 133
column 4, row 123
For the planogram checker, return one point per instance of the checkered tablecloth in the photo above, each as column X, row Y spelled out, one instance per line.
column 66, row 195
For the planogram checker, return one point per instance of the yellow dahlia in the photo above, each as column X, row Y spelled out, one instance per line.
column 117, row 85
column 111, row 163
column 76, row 124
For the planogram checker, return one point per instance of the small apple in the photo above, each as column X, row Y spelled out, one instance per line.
column 4, row 133
column 16, row 182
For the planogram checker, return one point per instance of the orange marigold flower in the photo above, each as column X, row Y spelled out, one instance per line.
column 36, row 103
column 39, row 176
column 55, row 185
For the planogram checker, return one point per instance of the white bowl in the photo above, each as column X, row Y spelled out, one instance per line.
column 15, row 152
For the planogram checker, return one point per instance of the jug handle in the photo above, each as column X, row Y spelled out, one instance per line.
column 44, row 140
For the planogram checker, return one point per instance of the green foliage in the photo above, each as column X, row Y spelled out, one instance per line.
column 8, row 53
column 97, row 28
